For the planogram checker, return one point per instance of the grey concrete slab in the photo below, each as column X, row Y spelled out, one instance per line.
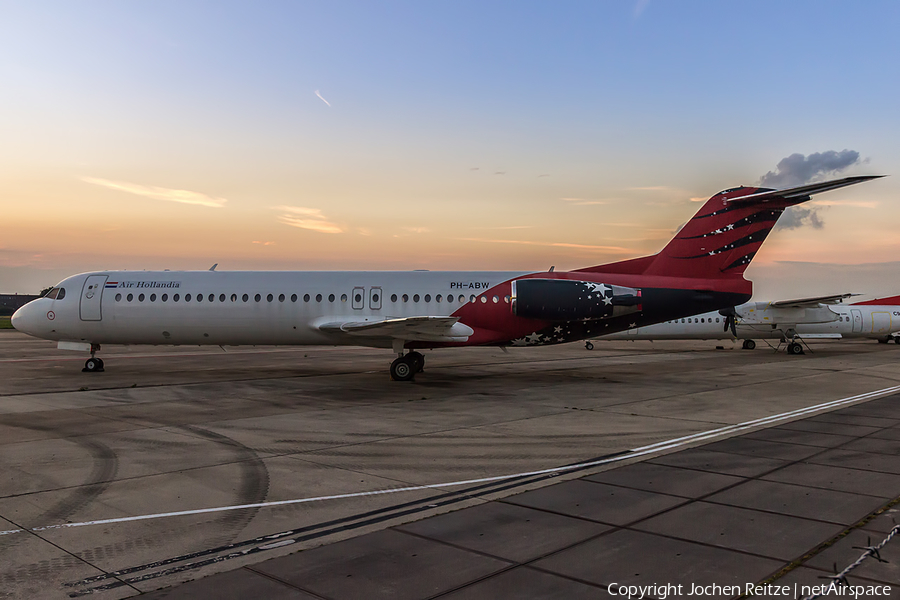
column 887, row 434
column 859, row 460
column 850, row 419
column 884, row 485
column 386, row 564
column 806, row 438
column 633, row 557
column 848, row 549
column 881, row 407
column 799, row 501
column 720, row 462
column 875, row 445
column 764, row 449
column 506, row 530
column 828, row 427
column 666, row 480
column 596, row 501
column 239, row 584
column 523, row 582
column 884, row 522
column 772, row 535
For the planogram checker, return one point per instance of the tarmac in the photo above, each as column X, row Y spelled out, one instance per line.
column 190, row 472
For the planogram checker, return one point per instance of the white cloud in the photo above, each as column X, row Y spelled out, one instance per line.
column 417, row 229
column 584, row 201
column 307, row 218
column 322, row 99
column 159, row 193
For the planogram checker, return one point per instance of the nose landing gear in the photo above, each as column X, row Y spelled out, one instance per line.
column 93, row 364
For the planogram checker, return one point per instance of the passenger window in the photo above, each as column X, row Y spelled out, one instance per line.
column 506, row 298
column 152, row 297
column 682, row 320
column 702, row 321
column 358, row 298
column 484, row 299
column 449, row 297
column 221, row 297
column 415, row 297
column 406, row 297
column 129, row 297
column 462, row 298
column 141, row 298
column 212, row 297
column 393, row 297
column 293, row 297
column 344, row 297
column 281, row 297
column 245, row 297
column 717, row 319
column 175, row 298
column 270, row 297
column 427, row 297
column 438, row 298
column 331, row 297
column 165, row 297
column 306, row 297
column 234, row 297
column 118, row 297
column 495, row 299
column 257, row 297
column 187, row 297
column 318, row 297
column 375, row 298
column 472, row 297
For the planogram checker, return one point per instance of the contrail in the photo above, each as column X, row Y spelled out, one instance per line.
column 322, row 99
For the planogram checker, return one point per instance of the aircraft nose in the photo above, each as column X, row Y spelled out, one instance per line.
column 25, row 319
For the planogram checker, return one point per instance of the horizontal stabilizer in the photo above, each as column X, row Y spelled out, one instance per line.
column 890, row 301
column 807, row 302
column 423, row 329
column 802, row 192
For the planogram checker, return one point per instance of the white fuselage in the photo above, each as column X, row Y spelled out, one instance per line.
column 249, row 307
column 760, row 320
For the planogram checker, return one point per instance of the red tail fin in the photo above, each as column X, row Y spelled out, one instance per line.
column 725, row 234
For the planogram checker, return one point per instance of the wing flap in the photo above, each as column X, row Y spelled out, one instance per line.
column 810, row 302
column 421, row 329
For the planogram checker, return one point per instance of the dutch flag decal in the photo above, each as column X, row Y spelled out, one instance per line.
column 112, row 284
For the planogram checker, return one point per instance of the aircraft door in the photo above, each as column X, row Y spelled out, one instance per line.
column 90, row 297
column 359, row 297
column 881, row 322
column 857, row 320
column 375, row 298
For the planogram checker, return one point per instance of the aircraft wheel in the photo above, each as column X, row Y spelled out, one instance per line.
column 588, row 346
column 749, row 345
column 403, row 369
column 92, row 365
column 897, row 340
column 418, row 360
column 795, row 348
column 882, row 341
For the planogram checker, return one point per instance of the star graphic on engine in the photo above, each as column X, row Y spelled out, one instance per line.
column 607, row 301
column 632, row 326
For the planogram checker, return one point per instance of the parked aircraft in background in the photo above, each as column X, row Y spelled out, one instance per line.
column 700, row 270
column 787, row 321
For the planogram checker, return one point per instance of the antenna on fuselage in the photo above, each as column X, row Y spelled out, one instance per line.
column 551, row 269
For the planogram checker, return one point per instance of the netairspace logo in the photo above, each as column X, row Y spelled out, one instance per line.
column 661, row 591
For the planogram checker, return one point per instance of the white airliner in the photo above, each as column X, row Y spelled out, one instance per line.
column 787, row 321
column 700, row 270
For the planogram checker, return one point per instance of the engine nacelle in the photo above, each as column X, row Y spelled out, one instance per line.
column 570, row 300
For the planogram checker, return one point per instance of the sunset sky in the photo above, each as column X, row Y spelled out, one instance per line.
column 427, row 135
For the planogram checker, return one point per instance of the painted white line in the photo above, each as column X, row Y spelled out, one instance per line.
column 633, row 453
column 160, row 355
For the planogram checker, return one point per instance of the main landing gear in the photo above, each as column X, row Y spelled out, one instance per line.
column 405, row 367
column 749, row 345
column 588, row 346
column 93, row 364
column 794, row 348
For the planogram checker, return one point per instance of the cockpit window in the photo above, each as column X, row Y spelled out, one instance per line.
column 56, row 294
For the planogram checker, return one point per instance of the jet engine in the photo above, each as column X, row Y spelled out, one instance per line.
column 570, row 300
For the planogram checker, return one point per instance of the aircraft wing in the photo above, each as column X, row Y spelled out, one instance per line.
column 419, row 329
column 802, row 192
column 810, row 302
